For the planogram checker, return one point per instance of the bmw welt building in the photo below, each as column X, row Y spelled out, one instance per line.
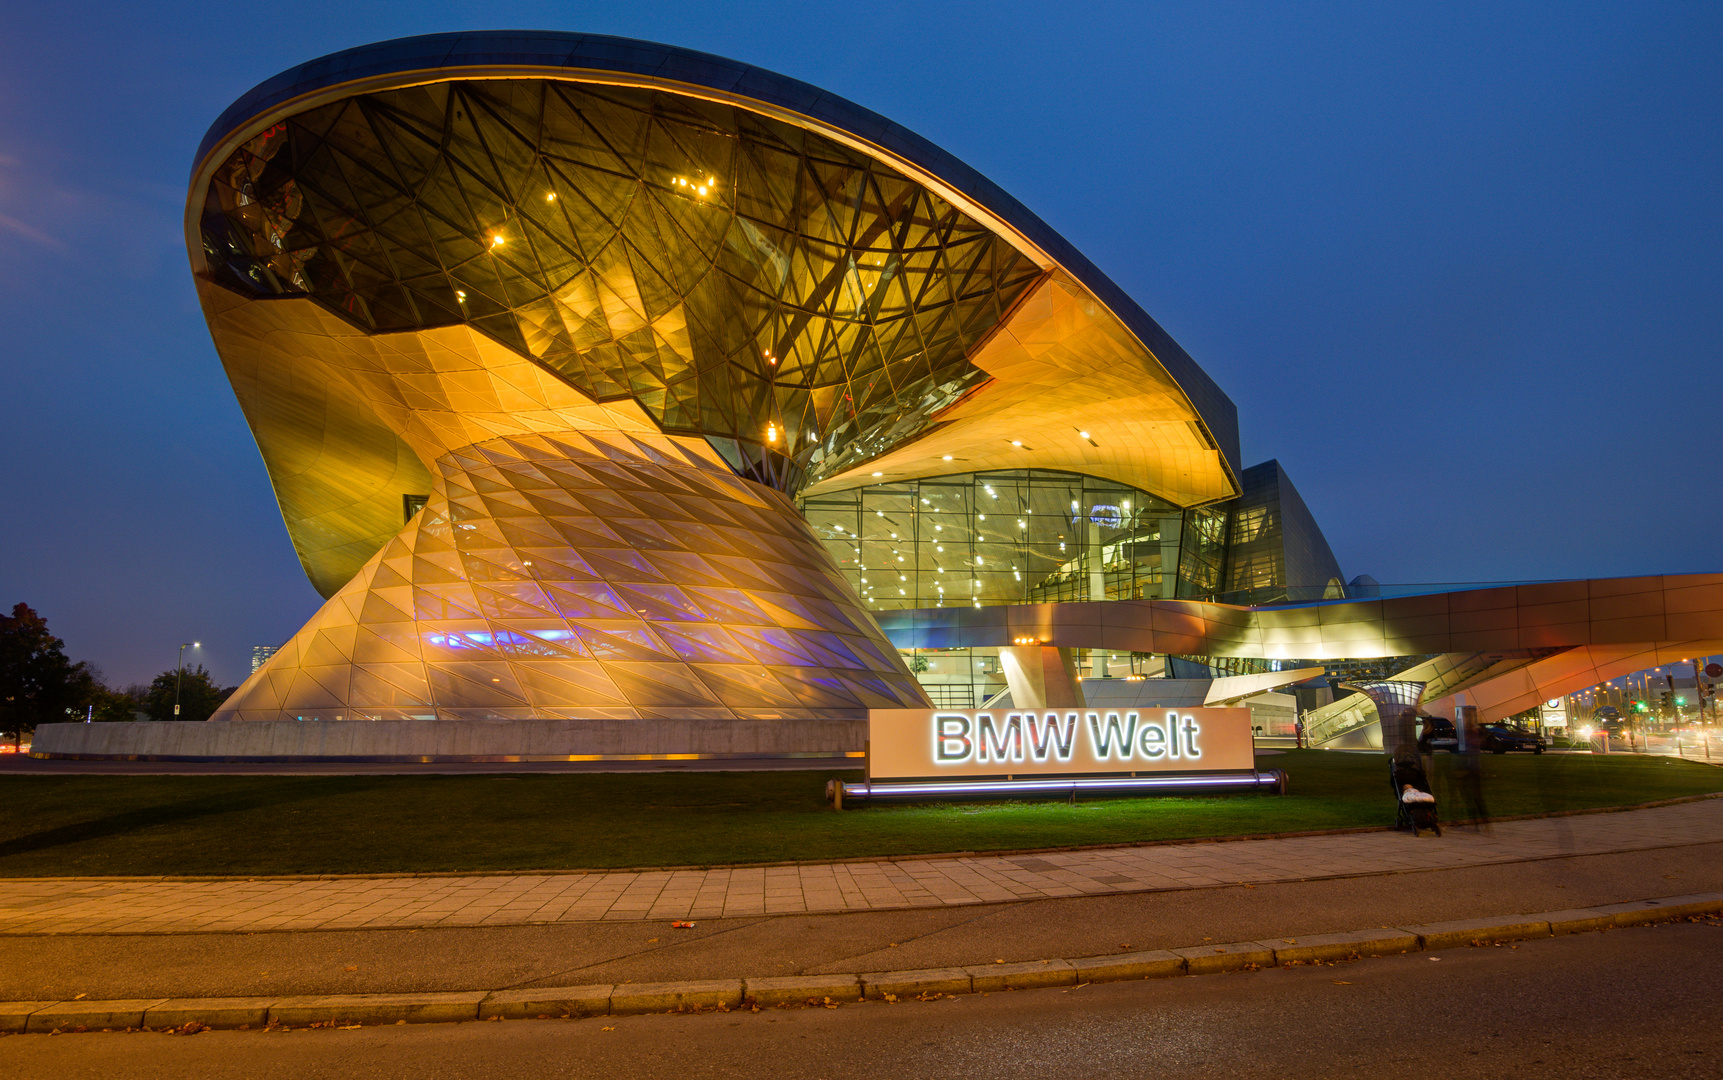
column 630, row 401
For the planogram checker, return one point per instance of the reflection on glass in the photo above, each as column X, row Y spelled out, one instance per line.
column 798, row 303
column 1017, row 537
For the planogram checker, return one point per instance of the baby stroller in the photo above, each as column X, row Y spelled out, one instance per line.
column 1415, row 805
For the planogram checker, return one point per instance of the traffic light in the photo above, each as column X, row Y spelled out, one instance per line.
column 1682, row 700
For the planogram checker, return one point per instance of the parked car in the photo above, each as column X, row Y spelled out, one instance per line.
column 1501, row 738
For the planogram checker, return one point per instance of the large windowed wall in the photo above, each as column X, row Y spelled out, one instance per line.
column 1016, row 537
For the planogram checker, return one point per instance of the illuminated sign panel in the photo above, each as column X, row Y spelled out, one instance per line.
column 932, row 743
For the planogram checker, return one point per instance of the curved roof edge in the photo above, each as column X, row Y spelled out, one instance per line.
column 552, row 49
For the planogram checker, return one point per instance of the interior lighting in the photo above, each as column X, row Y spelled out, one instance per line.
column 459, row 295
column 550, row 197
column 1016, row 442
column 879, row 474
column 771, row 433
column 1084, row 434
column 497, row 240
column 947, row 457
column 981, row 517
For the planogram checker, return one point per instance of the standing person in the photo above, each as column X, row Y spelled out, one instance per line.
column 1298, row 730
column 1468, row 765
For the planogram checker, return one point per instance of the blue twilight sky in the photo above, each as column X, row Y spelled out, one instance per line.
column 1458, row 264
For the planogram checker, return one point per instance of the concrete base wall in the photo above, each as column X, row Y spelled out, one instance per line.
column 450, row 740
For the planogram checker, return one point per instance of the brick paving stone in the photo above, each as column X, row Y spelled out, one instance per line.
column 159, row 905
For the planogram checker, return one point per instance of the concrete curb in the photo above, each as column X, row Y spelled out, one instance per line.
column 567, row 1002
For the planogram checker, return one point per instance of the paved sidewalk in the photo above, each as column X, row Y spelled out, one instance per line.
column 84, row 906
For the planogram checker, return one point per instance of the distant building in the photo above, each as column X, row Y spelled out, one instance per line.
column 260, row 655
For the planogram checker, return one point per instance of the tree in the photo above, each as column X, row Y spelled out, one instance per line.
column 38, row 684
column 199, row 696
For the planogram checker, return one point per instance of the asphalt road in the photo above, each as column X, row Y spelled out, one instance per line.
column 1627, row 1003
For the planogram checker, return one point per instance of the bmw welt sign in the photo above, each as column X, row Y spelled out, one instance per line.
column 926, row 743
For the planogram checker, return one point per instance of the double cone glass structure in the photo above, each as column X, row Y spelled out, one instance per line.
column 545, row 338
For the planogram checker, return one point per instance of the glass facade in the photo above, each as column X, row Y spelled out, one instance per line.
column 1277, row 554
column 797, row 303
column 1016, row 537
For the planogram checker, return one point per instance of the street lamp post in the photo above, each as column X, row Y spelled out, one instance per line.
column 180, row 673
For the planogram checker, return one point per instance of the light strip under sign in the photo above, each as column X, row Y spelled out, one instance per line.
column 1273, row 780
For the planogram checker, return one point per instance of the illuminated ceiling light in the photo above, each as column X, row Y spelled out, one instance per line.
column 1016, row 442
column 879, row 474
column 497, row 240
column 1084, row 434
column 947, row 457
column 550, row 197
column 771, row 433
column 459, row 295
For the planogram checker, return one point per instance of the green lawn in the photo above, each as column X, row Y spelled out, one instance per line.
column 359, row 824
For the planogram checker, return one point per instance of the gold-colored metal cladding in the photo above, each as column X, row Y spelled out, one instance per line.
column 570, row 560
column 1070, row 389
column 587, row 576
column 814, row 311
column 801, row 303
